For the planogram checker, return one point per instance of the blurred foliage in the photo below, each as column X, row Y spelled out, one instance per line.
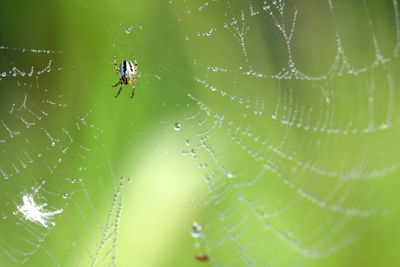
column 135, row 138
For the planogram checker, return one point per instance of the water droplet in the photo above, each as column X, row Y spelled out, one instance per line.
column 66, row 195
column 129, row 180
column 177, row 126
column 197, row 230
column 129, row 29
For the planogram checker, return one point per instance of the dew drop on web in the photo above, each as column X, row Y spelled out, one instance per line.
column 177, row 126
column 197, row 230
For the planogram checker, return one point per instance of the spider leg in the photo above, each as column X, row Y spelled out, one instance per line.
column 133, row 86
column 116, row 66
column 119, row 82
column 134, row 61
column 119, row 91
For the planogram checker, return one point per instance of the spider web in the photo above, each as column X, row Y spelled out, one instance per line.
column 45, row 170
column 261, row 133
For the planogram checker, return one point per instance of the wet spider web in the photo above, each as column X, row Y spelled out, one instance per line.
column 267, row 137
column 45, row 169
column 290, row 131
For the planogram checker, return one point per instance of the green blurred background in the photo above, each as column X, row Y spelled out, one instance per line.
column 274, row 124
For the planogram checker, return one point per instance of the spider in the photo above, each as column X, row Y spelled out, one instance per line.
column 128, row 71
